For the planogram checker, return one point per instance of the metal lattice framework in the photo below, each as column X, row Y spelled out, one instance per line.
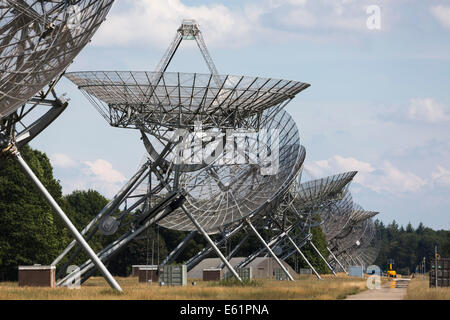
column 147, row 100
column 316, row 198
column 361, row 248
column 350, row 236
column 353, row 230
column 224, row 193
column 38, row 40
column 259, row 219
column 189, row 30
column 289, row 221
column 309, row 205
column 164, row 104
column 328, row 202
column 367, row 250
column 312, row 193
column 338, row 216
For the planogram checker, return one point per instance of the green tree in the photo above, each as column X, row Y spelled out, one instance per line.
column 82, row 207
column 319, row 241
column 408, row 246
column 30, row 232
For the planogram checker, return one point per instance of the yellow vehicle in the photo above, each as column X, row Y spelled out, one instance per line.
column 391, row 272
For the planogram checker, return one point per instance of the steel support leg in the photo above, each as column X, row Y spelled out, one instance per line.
column 175, row 252
column 355, row 263
column 79, row 238
column 360, row 262
column 269, row 249
column 235, row 249
column 115, row 247
column 192, row 262
column 304, row 257
column 336, row 259
column 211, row 243
column 324, row 260
column 112, row 205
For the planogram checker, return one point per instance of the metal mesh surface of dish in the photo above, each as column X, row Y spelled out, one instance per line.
column 143, row 99
column 312, row 193
column 224, row 193
column 38, row 40
column 338, row 215
column 359, row 236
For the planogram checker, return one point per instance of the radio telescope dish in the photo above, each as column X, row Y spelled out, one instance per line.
column 315, row 199
column 353, row 229
column 368, row 252
column 316, row 192
column 358, row 243
column 221, row 194
column 146, row 99
column 38, row 41
column 337, row 216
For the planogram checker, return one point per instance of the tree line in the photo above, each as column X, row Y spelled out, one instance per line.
column 407, row 246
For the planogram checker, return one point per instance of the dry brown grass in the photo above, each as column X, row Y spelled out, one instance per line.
column 305, row 287
column 418, row 289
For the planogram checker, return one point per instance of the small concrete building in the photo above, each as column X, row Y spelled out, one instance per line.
column 262, row 267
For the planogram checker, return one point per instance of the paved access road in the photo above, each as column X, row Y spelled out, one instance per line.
column 394, row 290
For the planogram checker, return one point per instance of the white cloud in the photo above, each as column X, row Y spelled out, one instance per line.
column 427, row 110
column 338, row 164
column 98, row 175
column 441, row 176
column 393, row 180
column 154, row 22
column 301, row 18
column 103, row 171
column 442, row 15
column 62, row 160
column 385, row 178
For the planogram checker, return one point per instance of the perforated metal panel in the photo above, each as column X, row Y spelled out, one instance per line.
column 173, row 275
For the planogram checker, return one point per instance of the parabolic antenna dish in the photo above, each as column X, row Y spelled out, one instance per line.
column 313, row 193
column 336, row 216
column 223, row 193
column 369, row 249
column 316, row 198
column 174, row 100
column 38, row 40
column 359, row 214
column 357, row 235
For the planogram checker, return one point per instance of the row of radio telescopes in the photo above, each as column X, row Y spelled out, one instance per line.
column 222, row 155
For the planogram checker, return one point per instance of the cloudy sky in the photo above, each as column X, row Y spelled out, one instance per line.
column 379, row 100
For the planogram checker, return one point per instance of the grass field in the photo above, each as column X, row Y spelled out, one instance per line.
column 418, row 289
column 305, row 287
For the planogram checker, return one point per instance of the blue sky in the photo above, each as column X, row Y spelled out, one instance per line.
column 379, row 101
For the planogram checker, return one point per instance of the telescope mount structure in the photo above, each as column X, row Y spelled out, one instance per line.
column 167, row 108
